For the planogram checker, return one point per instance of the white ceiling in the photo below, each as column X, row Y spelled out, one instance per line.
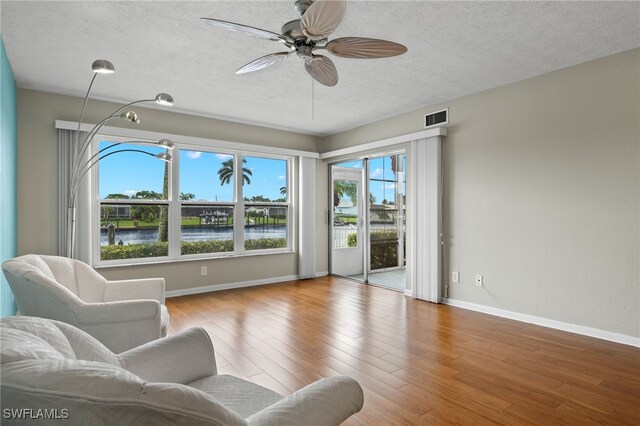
column 455, row 49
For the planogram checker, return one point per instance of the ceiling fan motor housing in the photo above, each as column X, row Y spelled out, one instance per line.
column 292, row 32
column 304, row 51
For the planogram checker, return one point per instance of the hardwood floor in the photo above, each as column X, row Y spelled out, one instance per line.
column 418, row 363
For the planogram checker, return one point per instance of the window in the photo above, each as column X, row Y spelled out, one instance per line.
column 216, row 213
column 207, row 197
column 265, row 203
column 133, row 202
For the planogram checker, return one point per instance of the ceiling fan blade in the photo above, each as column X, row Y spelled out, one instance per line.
column 322, row 18
column 364, row 48
column 263, row 62
column 256, row 32
column 322, row 70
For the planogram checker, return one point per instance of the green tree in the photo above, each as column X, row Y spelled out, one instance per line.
column 148, row 195
column 345, row 189
column 142, row 212
column 260, row 199
column 225, row 173
column 117, row 197
column 163, row 226
column 283, row 190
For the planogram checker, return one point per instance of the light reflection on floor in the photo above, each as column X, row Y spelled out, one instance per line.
column 394, row 280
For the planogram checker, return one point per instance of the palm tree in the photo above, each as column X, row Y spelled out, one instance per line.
column 226, row 172
column 163, row 226
column 283, row 190
column 344, row 188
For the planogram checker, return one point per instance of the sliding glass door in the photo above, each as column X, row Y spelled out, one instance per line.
column 347, row 249
column 386, row 221
column 368, row 233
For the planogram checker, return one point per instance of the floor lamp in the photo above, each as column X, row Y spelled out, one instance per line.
column 80, row 167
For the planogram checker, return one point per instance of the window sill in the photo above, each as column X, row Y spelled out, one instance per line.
column 158, row 261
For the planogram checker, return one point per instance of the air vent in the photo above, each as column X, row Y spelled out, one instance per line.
column 436, row 118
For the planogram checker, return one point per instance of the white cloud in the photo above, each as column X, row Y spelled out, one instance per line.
column 193, row 154
column 282, row 177
column 131, row 192
column 388, row 186
column 376, row 173
column 264, row 181
column 223, row 156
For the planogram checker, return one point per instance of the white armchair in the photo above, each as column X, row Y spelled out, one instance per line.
column 120, row 314
column 170, row 381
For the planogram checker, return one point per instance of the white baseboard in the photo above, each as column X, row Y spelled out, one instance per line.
column 229, row 286
column 322, row 274
column 545, row 322
column 408, row 293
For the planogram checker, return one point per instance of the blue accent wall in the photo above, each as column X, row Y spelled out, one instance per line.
column 8, row 174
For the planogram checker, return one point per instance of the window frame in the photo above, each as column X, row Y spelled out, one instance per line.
column 175, row 205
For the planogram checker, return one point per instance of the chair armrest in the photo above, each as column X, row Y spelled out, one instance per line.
column 116, row 312
column 145, row 288
column 328, row 402
column 180, row 358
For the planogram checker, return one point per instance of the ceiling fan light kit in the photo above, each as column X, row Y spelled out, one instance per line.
column 305, row 36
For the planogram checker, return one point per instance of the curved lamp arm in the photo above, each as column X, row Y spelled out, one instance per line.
column 161, row 98
column 131, row 116
column 80, row 169
column 164, row 156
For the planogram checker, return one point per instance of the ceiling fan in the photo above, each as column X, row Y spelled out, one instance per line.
column 308, row 35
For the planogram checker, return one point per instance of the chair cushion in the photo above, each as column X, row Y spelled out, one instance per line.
column 18, row 345
column 31, row 336
column 245, row 398
column 100, row 394
column 87, row 347
column 66, row 341
column 63, row 272
column 38, row 263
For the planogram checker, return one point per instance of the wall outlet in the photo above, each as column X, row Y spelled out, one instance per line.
column 455, row 277
column 479, row 280
column 203, row 270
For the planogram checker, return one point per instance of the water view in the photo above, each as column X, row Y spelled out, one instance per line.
column 195, row 233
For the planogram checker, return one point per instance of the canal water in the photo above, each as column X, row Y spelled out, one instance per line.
column 195, row 233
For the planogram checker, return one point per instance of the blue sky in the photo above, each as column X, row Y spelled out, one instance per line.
column 379, row 169
column 130, row 172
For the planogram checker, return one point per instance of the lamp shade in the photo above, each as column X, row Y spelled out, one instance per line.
column 102, row 66
column 166, row 143
column 130, row 116
column 164, row 156
column 164, row 99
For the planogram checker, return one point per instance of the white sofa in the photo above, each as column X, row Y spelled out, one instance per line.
column 56, row 370
column 120, row 314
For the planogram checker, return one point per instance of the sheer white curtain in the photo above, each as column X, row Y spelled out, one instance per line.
column 425, row 219
column 68, row 146
column 307, row 207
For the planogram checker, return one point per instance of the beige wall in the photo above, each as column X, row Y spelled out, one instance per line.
column 542, row 193
column 38, row 185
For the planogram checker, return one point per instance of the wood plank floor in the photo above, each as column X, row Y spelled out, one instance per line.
column 418, row 362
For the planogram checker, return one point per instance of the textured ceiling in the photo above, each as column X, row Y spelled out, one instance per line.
column 455, row 49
